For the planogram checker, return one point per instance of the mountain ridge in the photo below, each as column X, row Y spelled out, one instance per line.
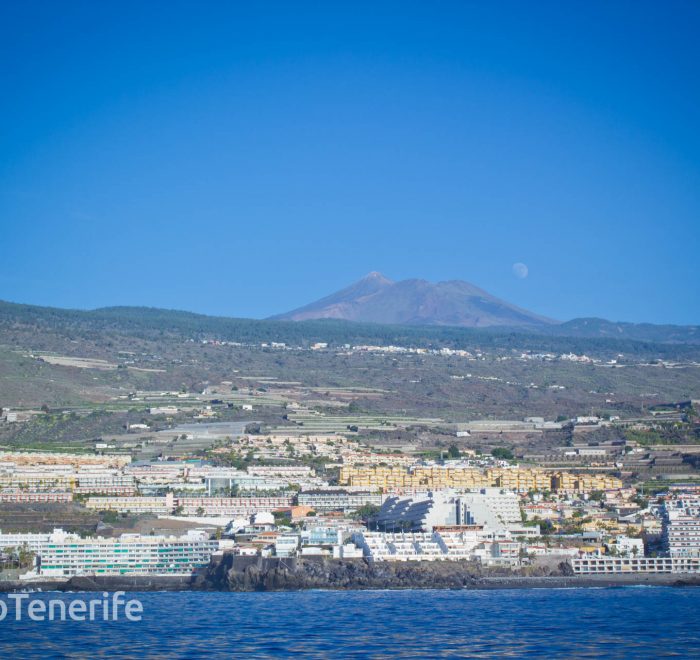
column 378, row 299
column 578, row 335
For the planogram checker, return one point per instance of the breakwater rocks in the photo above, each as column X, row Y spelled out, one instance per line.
column 233, row 573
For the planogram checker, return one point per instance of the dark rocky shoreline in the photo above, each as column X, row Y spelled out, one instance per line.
column 232, row 573
column 240, row 574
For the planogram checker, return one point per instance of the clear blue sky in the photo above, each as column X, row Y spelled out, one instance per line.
column 246, row 158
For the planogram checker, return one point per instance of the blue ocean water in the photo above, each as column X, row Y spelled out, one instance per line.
column 642, row 622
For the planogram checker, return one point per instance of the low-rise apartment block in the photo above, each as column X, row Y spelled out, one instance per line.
column 189, row 506
column 130, row 554
column 592, row 565
column 22, row 497
column 436, row 477
column 338, row 500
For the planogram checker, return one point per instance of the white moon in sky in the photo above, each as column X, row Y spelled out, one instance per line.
column 520, row 270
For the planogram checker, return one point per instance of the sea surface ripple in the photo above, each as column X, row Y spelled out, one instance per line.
column 524, row 623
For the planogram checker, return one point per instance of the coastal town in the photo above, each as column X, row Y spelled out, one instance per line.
column 186, row 485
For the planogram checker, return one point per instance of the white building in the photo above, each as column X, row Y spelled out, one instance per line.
column 32, row 541
column 163, row 410
column 681, row 526
column 493, row 508
column 591, row 565
column 625, row 546
column 286, row 545
column 451, row 543
column 60, row 554
column 65, row 555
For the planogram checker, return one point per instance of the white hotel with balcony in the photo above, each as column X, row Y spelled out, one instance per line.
column 60, row 554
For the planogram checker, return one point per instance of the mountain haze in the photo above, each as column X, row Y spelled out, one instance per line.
column 377, row 299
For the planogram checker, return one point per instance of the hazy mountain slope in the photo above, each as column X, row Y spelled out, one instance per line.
column 342, row 304
column 593, row 327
